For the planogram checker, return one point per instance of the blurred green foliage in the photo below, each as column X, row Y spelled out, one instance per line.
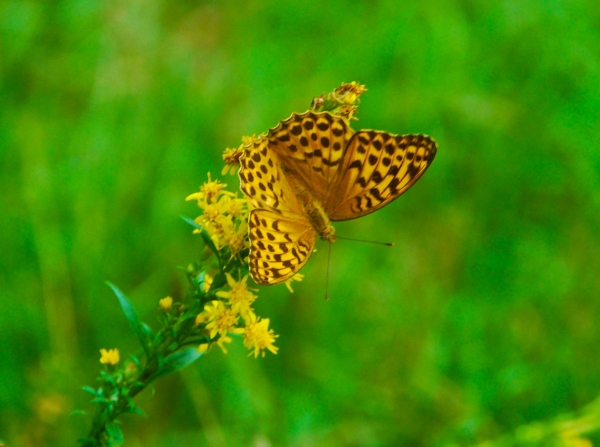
column 482, row 319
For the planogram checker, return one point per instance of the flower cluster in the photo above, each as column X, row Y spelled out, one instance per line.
column 231, row 157
column 229, row 311
column 222, row 317
column 224, row 216
column 342, row 101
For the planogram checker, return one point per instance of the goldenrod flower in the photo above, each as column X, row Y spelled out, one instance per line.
column 202, row 348
column 208, row 280
column 297, row 277
column 231, row 157
column 348, row 93
column 247, row 140
column 238, row 240
column 218, row 227
column 240, row 297
column 258, row 336
column 200, row 318
column 209, row 192
column 347, row 111
column 212, row 212
column 166, row 303
column 221, row 342
column 109, row 357
column 236, row 207
column 221, row 318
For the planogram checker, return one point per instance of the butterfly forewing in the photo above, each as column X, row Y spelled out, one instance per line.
column 262, row 180
column 377, row 168
column 310, row 146
column 281, row 238
column 280, row 245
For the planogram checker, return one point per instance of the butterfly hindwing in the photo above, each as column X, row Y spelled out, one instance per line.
column 377, row 168
column 280, row 245
column 310, row 147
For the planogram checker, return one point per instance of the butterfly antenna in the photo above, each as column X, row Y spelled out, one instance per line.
column 327, row 277
column 387, row 244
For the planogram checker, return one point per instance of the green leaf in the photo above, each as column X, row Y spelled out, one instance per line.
column 89, row 389
column 115, row 433
column 207, row 240
column 106, row 377
column 177, row 361
column 138, row 411
column 147, row 331
column 79, row 413
column 190, row 221
column 209, row 243
column 130, row 314
column 132, row 408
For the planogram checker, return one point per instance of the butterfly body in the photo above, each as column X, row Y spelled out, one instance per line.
column 315, row 213
column 313, row 169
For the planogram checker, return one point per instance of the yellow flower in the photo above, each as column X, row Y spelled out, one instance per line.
column 110, row 357
column 221, row 318
column 218, row 228
column 240, row 298
column 166, row 303
column 200, row 318
column 212, row 212
column 209, row 192
column 221, row 342
column 296, row 277
column 236, row 207
column 347, row 111
column 238, row 240
column 247, row 140
column 348, row 93
column 231, row 157
column 202, row 348
column 258, row 336
column 208, row 280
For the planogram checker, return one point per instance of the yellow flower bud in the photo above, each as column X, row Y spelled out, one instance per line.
column 109, row 357
column 166, row 303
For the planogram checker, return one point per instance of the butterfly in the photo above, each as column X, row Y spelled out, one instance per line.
column 312, row 169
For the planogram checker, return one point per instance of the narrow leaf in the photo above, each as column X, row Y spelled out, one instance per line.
column 135, row 410
column 130, row 314
column 210, row 244
column 177, row 361
column 89, row 389
column 207, row 240
column 191, row 222
column 147, row 331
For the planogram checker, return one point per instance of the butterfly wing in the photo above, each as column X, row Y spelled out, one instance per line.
column 310, row 146
column 280, row 245
column 377, row 167
column 281, row 237
column 262, row 180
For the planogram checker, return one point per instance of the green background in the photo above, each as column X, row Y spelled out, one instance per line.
column 482, row 318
